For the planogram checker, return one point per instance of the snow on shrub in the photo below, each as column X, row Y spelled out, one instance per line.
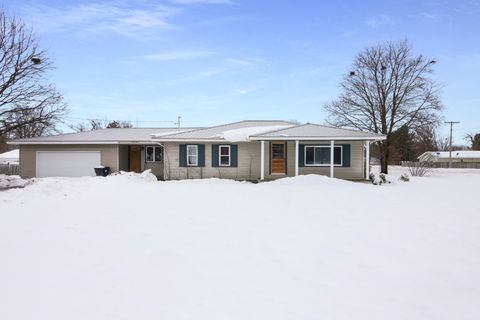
column 382, row 179
column 9, row 182
column 146, row 175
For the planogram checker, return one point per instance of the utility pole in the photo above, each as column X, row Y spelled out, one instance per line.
column 450, row 147
column 178, row 122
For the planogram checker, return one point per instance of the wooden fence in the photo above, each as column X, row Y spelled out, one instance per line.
column 10, row 169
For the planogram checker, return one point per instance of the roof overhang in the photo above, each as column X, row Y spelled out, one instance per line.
column 79, row 142
column 379, row 138
column 193, row 140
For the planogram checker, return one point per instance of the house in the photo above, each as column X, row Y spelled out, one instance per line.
column 9, row 157
column 245, row 150
column 470, row 156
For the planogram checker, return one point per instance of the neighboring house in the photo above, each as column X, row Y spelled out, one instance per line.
column 471, row 156
column 9, row 157
column 245, row 150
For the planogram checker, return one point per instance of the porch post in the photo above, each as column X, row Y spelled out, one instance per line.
column 367, row 159
column 262, row 160
column 296, row 158
column 331, row 158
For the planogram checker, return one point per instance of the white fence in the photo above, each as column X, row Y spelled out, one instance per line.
column 455, row 165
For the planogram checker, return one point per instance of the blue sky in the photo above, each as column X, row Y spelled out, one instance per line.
column 214, row 61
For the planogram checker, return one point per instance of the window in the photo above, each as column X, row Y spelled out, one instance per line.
column 153, row 153
column 320, row 155
column 224, row 156
column 192, row 155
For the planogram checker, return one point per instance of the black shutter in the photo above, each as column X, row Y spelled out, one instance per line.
column 346, row 155
column 234, row 155
column 301, row 155
column 214, row 155
column 182, row 157
column 201, row 155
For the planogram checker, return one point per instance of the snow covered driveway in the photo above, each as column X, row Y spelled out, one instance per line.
column 126, row 247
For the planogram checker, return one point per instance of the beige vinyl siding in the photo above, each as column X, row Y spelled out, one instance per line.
column 354, row 172
column 249, row 163
column 28, row 155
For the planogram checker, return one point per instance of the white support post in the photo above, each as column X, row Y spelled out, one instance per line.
column 296, row 158
column 367, row 160
column 262, row 160
column 331, row 158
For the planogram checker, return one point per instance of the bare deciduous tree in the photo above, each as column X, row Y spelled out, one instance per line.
column 388, row 88
column 96, row 124
column 474, row 140
column 29, row 104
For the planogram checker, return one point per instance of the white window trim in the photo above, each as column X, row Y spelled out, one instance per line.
column 196, row 155
column 154, row 153
column 220, row 155
column 321, row 165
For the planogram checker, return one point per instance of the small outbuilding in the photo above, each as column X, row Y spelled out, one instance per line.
column 457, row 156
column 10, row 157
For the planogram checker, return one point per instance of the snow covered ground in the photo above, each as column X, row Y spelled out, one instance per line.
column 128, row 247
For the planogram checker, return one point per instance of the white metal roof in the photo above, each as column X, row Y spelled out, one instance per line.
column 12, row 154
column 102, row 136
column 222, row 132
column 315, row 131
column 461, row 154
column 233, row 132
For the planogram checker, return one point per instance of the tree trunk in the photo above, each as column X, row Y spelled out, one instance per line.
column 384, row 154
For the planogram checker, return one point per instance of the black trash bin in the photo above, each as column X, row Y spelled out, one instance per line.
column 102, row 171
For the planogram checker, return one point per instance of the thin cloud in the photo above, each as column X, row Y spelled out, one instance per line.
column 379, row 20
column 228, row 65
column 129, row 19
column 178, row 55
column 190, row 2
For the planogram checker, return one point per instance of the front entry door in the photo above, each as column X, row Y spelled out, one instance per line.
column 135, row 159
column 278, row 157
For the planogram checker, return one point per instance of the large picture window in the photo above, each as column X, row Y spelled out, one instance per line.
column 320, row 155
column 224, row 156
column 153, row 154
column 192, row 155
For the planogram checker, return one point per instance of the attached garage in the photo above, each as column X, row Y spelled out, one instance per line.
column 67, row 163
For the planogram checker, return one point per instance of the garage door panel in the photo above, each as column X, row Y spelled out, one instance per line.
column 67, row 163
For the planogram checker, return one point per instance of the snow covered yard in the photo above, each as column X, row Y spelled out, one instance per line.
column 128, row 247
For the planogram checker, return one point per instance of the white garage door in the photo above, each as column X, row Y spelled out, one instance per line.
column 67, row 163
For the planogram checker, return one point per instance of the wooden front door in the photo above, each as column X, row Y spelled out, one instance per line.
column 135, row 159
column 278, row 157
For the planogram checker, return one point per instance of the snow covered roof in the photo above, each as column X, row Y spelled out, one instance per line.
column 10, row 156
column 316, row 131
column 461, row 154
column 108, row 136
column 233, row 132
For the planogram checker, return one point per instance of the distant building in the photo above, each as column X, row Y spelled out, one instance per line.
column 10, row 157
column 471, row 156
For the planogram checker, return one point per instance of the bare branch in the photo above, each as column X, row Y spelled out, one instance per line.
column 388, row 88
column 29, row 105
